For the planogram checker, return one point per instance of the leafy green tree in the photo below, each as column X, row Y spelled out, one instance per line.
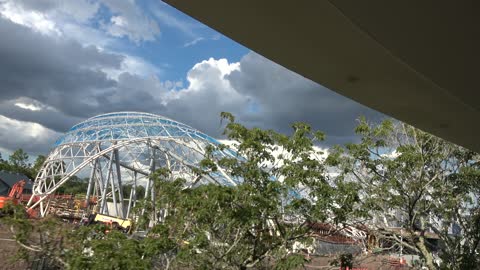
column 37, row 240
column 258, row 222
column 4, row 166
column 19, row 159
column 101, row 250
column 62, row 246
column 74, row 185
column 421, row 183
column 18, row 162
column 37, row 165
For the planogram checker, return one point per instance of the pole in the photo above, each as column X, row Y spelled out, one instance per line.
column 90, row 184
column 119, row 181
column 131, row 193
column 105, row 187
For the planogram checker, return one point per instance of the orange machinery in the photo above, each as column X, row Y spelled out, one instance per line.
column 15, row 194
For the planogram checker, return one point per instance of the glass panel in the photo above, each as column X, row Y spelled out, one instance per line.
column 134, row 121
column 104, row 134
column 148, row 120
column 175, row 132
column 104, row 122
column 90, row 135
column 153, row 130
column 119, row 133
column 118, row 121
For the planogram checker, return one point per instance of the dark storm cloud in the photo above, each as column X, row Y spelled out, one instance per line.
column 282, row 97
column 39, row 66
column 47, row 117
column 67, row 81
column 31, row 137
column 59, row 73
column 66, row 76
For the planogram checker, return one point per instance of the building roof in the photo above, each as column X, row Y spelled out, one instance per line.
column 10, row 178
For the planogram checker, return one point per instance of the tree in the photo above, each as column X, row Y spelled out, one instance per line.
column 74, row 185
column 37, row 165
column 423, row 184
column 4, row 166
column 57, row 245
column 19, row 159
column 18, row 162
column 101, row 250
column 258, row 222
column 283, row 188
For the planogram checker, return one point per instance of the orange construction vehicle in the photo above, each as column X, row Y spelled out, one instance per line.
column 15, row 194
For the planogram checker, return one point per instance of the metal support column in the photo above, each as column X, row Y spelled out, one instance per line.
column 105, row 185
column 119, row 182
column 132, row 193
column 99, row 183
column 112, row 184
column 149, row 183
column 90, row 184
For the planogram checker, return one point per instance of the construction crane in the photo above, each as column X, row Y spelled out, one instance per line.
column 15, row 194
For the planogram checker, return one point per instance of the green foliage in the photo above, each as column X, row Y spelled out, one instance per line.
column 221, row 227
column 74, row 186
column 256, row 224
column 37, row 165
column 19, row 158
column 343, row 260
column 36, row 238
column 100, row 250
column 18, row 163
column 139, row 191
column 419, row 181
column 252, row 225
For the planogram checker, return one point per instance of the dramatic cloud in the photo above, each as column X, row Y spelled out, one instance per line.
column 21, row 109
column 264, row 94
column 123, row 19
column 29, row 18
column 280, row 97
column 65, row 83
column 54, row 75
column 209, row 93
column 51, row 70
column 32, row 137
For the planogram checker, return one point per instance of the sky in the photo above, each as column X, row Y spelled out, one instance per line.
column 65, row 61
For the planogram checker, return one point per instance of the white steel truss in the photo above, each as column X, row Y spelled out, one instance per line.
column 118, row 149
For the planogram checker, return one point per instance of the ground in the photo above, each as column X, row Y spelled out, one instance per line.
column 8, row 250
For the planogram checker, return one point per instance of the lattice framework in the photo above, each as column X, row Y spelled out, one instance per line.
column 118, row 149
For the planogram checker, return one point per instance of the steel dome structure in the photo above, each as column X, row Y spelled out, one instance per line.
column 124, row 148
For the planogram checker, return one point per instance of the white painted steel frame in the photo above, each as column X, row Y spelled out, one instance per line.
column 110, row 161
